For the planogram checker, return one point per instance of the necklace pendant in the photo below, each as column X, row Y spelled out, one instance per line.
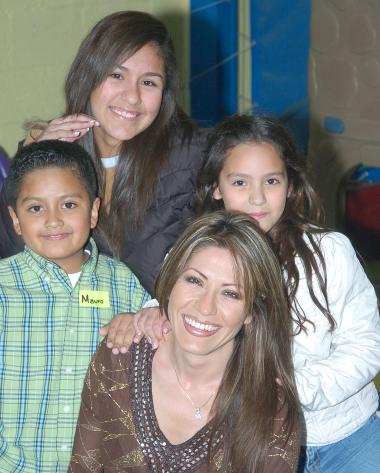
column 198, row 413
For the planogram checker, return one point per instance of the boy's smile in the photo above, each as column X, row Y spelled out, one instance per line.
column 54, row 216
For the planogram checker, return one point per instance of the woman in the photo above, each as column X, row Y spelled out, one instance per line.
column 218, row 394
column 121, row 105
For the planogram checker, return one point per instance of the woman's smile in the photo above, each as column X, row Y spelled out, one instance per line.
column 193, row 326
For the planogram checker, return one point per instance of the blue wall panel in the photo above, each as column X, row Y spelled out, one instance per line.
column 281, row 29
column 213, row 77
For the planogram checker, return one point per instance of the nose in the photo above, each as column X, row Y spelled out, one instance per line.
column 132, row 93
column 257, row 195
column 53, row 219
column 207, row 303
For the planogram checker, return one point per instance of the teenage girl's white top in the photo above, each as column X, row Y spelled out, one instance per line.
column 334, row 370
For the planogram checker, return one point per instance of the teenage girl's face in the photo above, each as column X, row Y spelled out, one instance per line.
column 254, row 180
column 129, row 99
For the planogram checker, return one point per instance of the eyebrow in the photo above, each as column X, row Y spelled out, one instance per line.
column 149, row 73
column 62, row 197
column 205, row 277
column 243, row 174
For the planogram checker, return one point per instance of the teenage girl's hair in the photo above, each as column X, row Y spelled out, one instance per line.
column 112, row 40
column 48, row 154
column 247, row 401
column 298, row 230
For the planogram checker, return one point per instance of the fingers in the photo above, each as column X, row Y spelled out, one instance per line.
column 104, row 330
column 119, row 333
column 149, row 323
column 69, row 128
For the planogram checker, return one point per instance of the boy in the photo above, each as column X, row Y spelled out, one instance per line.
column 54, row 297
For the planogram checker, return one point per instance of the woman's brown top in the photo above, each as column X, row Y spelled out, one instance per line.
column 118, row 431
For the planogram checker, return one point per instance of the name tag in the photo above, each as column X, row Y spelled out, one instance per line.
column 94, row 299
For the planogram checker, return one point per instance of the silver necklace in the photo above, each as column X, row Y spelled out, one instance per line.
column 198, row 412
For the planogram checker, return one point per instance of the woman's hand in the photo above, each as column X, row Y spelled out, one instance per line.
column 127, row 327
column 69, row 128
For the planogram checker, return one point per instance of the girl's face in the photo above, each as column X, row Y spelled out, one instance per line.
column 254, row 180
column 128, row 100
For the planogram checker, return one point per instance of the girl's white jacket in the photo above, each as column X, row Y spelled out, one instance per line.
column 334, row 370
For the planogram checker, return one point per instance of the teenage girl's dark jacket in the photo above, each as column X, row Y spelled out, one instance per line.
column 146, row 247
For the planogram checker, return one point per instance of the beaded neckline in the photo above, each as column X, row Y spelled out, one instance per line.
column 158, row 451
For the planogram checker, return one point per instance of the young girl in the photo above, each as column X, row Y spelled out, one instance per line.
column 252, row 165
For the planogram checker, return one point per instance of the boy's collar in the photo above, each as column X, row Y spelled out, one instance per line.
column 43, row 266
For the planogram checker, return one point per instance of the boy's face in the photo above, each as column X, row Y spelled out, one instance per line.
column 54, row 216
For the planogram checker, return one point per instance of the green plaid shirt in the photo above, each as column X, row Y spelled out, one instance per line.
column 48, row 332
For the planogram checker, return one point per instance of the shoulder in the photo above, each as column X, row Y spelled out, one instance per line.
column 332, row 244
column 345, row 273
column 8, row 266
column 119, row 274
column 107, row 263
column 187, row 148
column 105, row 362
column 333, row 240
column 113, row 268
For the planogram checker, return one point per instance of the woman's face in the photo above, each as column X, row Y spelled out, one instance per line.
column 129, row 99
column 206, row 306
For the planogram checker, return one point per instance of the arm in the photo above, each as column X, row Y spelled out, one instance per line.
column 86, row 453
column 284, row 446
column 335, row 366
column 165, row 220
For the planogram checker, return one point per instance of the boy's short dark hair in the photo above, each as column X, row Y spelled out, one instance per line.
column 46, row 154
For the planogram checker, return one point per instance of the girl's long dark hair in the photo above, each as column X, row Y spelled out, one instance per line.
column 249, row 397
column 111, row 41
column 299, row 229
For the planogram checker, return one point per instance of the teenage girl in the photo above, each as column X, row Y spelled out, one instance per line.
column 252, row 165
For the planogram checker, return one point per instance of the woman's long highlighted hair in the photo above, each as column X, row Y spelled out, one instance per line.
column 249, row 396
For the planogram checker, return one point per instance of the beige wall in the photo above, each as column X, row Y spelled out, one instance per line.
column 344, row 84
column 38, row 40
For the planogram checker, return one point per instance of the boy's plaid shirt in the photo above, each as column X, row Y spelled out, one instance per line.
column 47, row 338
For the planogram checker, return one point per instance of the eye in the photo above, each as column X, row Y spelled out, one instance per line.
column 69, row 205
column 149, row 83
column 116, row 75
column 35, row 209
column 272, row 181
column 232, row 294
column 193, row 280
column 239, row 182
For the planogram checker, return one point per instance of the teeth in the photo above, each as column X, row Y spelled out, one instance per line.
column 199, row 326
column 126, row 114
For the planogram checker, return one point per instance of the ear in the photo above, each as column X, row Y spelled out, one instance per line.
column 16, row 223
column 217, row 194
column 290, row 190
column 95, row 212
column 248, row 320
